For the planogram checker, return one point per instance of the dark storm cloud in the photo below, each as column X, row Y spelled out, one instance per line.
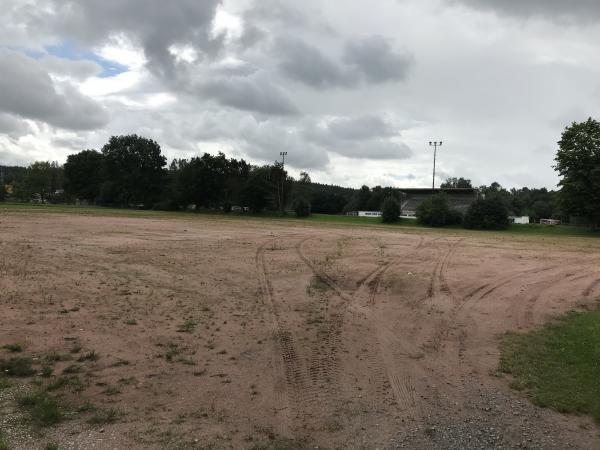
column 253, row 93
column 155, row 24
column 372, row 60
column 13, row 126
column 375, row 58
column 307, row 64
column 28, row 91
column 362, row 127
column 80, row 69
column 361, row 137
column 580, row 10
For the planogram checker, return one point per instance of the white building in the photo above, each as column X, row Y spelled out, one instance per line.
column 521, row 220
column 369, row 213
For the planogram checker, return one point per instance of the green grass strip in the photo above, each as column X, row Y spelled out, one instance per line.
column 558, row 366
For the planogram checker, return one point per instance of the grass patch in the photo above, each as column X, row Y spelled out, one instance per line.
column 43, row 409
column 17, row 367
column 13, row 348
column 187, row 326
column 532, row 229
column 282, row 444
column 104, row 416
column 4, row 383
column 3, row 442
column 557, row 366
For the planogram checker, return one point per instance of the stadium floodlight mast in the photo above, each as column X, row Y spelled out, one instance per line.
column 435, row 145
column 282, row 154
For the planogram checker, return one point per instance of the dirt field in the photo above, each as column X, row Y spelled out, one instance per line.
column 216, row 333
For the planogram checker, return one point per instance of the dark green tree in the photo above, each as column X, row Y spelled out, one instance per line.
column 435, row 211
column 578, row 165
column 257, row 194
column 456, row 183
column 487, row 214
column 38, row 180
column 390, row 210
column 132, row 171
column 83, row 175
column 301, row 207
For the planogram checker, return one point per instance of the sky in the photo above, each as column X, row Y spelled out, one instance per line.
column 353, row 91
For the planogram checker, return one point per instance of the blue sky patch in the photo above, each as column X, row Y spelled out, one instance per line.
column 67, row 51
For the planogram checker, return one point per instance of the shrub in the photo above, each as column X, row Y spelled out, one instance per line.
column 435, row 211
column 390, row 210
column 487, row 214
column 43, row 409
column 301, row 207
column 17, row 367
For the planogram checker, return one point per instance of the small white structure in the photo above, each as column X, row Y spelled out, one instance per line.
column 549, row 222
column 369, row 213
column 521, row 220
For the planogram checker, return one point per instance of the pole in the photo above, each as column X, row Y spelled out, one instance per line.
column 434, row 156
column 282, row 198
column 435, row 145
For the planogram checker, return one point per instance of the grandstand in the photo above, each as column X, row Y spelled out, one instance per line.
column 459, row 198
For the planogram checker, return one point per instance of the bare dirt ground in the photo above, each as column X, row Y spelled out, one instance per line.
column 216, row 333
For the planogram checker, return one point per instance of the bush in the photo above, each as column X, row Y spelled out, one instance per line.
column 487, row 214
column 301, row 207
column 390, row 210
column 435, row 211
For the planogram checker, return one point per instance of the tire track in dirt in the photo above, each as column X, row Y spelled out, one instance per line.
column 287, row 362
column 375, row 361
column 528, row 313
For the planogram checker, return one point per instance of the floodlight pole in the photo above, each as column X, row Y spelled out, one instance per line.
column 282, row 154
column 435, row 145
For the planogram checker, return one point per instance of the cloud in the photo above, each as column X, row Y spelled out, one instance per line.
column 377, row 61
column 80, row 69
column 13, row 126
column 155, row 25
column 307, row 64
column 368, row 126
column 28, row 91
column 556, row 10
column 252, row 93
column 361, row 137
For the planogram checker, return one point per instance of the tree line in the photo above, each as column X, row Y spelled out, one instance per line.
column 131, row 171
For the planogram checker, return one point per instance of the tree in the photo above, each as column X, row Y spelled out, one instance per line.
column 2, row 192
column 435, row 211
column 38, row 180
column 454, row 183
column 578, row 165
column 83, row 175
column 487, row 214
column 390, row 210
column 301, row 207
column 132, row 171
column 258, row 190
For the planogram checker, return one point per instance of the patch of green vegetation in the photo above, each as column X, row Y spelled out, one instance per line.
column 3, row 442
column 104, row 416
column 53, row 357
column 13, row 348
column 557, row 365
column 51, row 446
column 187, row 326
column 282, row 444
column 43, row 409
column 73, row 383
column 17, row 367
column 532, row 229
column 89, row 356
column 4, row 383
column 131, row 322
